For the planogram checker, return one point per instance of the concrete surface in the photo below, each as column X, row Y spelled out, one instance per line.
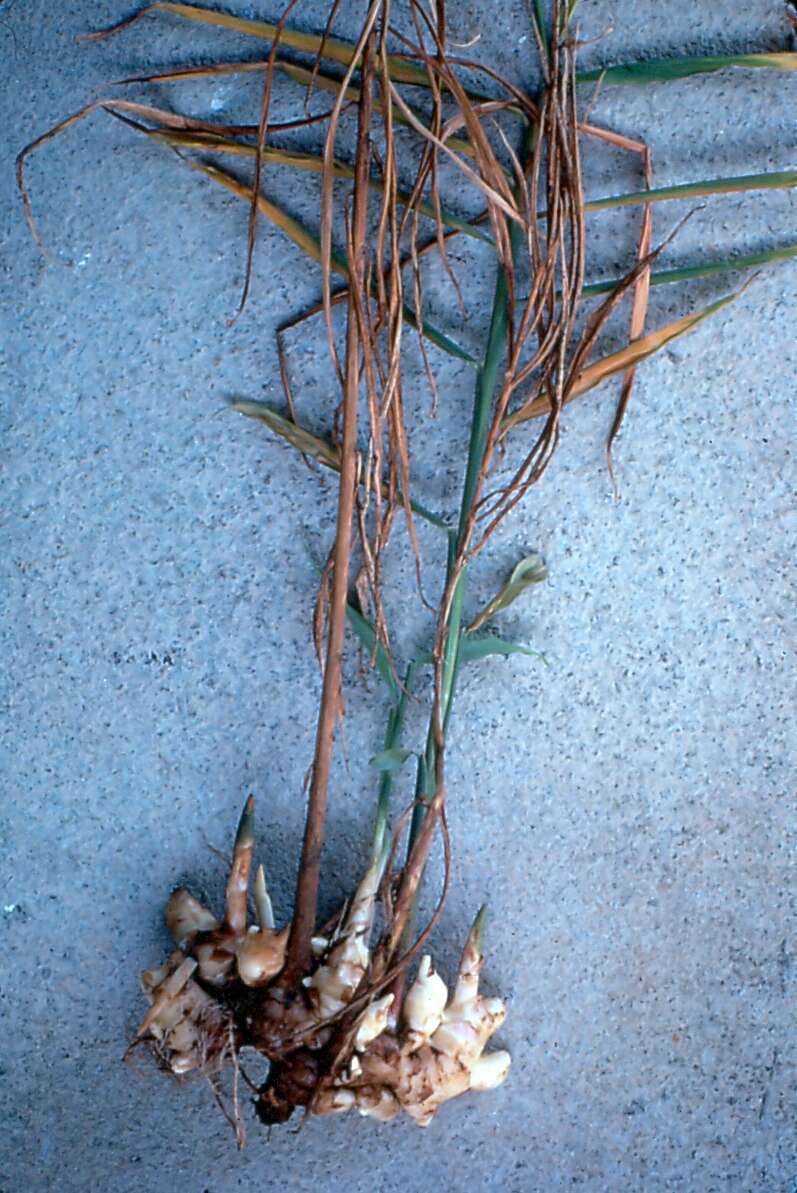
column 628, row 811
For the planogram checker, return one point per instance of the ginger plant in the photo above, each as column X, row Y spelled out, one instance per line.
column 333, row 1007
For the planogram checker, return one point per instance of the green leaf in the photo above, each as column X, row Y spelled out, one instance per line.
column 705, row 270
column 390, row 759
column 395, row 726
column 776, row 180
column 538, row 16
column 439, row 338
column 529, row 571
column 665, row 70
column 367, row 635
column 473, row 649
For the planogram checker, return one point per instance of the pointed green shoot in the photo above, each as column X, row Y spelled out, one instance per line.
column 245, row 836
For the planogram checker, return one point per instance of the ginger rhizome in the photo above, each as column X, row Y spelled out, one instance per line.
column 217, row 993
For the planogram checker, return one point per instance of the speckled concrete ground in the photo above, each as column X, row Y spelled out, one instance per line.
column 629, row 811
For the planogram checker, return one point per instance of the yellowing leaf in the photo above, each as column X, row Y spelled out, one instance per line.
column 311, row 245
column 618, row 362
column 319, row 449
column 308, row 43
column 305, row 442
column 310, row 162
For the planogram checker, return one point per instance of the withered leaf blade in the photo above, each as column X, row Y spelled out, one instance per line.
column 308, row 43
column 304, row 441
column 319, row 449
column 313, row 163
column 529, row 571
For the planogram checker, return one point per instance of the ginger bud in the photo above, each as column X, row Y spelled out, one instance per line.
column 261, row 955
column 489, row 1071
column 425, row 1000
column 373, row 1022
column 186, row 917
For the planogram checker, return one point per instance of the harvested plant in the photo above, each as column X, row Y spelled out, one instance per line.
column 353, row 1013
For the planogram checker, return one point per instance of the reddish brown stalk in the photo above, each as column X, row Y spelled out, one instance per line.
column 262, row 135
column 298, row 956
column 391, row 307
column 328, row 180
column 319, row 58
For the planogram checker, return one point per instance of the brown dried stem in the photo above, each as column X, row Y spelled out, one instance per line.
column 298, row 955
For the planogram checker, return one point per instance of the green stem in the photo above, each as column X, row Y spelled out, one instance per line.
column 486, row 382
column 395, row 725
